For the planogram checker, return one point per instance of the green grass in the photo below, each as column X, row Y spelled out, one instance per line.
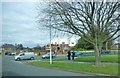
column 37, row 56
column 108, row 69
column 104, row 58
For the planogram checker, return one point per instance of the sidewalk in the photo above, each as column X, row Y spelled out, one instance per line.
column 83, row 62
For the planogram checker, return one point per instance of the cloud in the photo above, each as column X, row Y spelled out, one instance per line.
column 19, row 25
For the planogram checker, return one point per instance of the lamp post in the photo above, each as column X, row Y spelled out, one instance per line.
column 50, row 39
column 50, row 48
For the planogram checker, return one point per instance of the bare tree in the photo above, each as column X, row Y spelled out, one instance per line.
column 93, row 21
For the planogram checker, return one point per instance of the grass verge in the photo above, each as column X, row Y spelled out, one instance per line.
column 103, row 69
column 104, row 58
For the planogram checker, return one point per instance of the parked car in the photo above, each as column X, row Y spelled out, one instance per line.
column 25, row 55
column 48, row 56
column 8, row 53
column 13, row 53
column 76, row 54
column 105, row 51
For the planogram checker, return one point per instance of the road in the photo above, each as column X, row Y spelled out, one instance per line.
column 0, row 65
column 18, row 68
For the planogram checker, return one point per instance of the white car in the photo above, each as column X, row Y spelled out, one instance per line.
column 25, row 55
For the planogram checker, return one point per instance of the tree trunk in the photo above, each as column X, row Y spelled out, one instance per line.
column 106, row 45
column 97, row 56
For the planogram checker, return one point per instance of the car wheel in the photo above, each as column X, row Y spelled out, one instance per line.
column 18, row 59
column 32, row 58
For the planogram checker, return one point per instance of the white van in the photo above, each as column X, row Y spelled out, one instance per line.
column 25, row 55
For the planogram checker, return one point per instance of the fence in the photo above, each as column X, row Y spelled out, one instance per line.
column 104, row 53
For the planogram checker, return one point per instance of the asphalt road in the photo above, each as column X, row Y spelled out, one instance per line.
column 0, row 65
column 18, row 68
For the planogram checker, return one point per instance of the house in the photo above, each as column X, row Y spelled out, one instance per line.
column 70, row 41
column 8, row 48
column 61, row 45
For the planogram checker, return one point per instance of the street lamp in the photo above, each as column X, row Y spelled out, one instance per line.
column 50, row 47
column 50, row 39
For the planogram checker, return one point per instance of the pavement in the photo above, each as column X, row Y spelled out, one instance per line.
column 86, row 62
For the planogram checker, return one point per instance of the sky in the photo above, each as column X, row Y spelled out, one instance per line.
column 19, row 24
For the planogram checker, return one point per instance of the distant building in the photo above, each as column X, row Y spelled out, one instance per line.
column 61, row 45
column 115, row 46
column 8, row 47
column 70, row 41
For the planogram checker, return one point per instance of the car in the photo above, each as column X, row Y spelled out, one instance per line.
column 76, row 54
column 8, row 53
column 25, row 55
column 105, row 51
column 48, row 56
column 13, row 53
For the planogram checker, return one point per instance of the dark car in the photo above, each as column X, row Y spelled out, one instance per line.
column 8, row 53
column 48, row 56
column 76, row 54
column 105, row 51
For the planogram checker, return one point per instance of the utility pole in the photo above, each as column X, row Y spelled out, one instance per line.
column 50, row 48
column 50, row 39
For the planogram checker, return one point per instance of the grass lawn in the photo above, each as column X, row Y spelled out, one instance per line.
column 37, row 56
column 104, row 69
column 104, row 58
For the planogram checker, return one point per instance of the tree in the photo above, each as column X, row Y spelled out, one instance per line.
column 38, row 48
column 19, row 47
column 83, row 44
column 93, row 21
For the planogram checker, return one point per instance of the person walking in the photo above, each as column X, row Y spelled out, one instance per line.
column 69, row 54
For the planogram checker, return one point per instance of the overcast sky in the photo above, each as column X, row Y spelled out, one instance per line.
column 19, row 24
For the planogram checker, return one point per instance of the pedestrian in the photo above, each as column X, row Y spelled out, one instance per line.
column 73, row 55
column 69, row 54
column 39, row 54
